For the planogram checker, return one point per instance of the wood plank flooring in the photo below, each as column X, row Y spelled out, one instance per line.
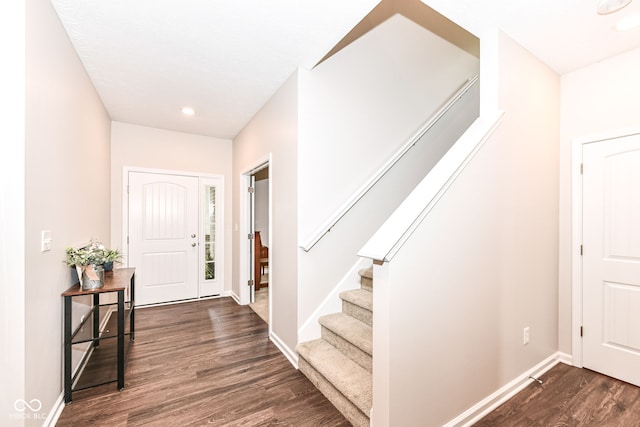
column 203, row 363
column 211, row 363
column 570, row 397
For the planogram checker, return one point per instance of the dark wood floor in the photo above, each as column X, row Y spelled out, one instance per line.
column 570, row 397
column 203, row 363
column 211, row 363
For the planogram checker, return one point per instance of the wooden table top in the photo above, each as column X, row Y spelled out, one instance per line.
column 117, row 280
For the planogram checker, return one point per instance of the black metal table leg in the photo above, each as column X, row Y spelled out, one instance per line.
column 96, row 319
column 120, row 339
column 67, row 349
column 132, row 299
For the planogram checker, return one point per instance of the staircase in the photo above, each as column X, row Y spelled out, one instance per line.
column 340, row 363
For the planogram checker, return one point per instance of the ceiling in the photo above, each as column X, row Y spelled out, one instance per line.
column 226, row 58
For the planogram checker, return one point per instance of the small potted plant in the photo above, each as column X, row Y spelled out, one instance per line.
column 111, row 256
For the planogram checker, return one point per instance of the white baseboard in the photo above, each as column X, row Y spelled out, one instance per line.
column 235, row 297
column 485, row 406
column 565, row 358
column 290, row 354
column 55, row 412
column 310, row 329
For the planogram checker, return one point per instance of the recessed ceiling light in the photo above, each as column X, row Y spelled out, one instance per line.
column 628, row 23
column 188, row 111
column 606, row 7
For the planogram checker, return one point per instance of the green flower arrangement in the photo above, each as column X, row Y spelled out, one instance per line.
column 112, row 255
column 94, row 253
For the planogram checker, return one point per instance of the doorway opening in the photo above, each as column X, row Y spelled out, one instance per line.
column 257, row 249
column 174, row 234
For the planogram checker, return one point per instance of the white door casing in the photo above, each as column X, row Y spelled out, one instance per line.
column 611, row 258
column 246, row 227
column 251, row 236
column 163, row 236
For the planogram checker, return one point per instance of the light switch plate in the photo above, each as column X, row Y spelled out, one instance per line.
column 45, row 244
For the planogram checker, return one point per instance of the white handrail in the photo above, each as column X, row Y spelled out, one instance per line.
column 389, row 238
column 364, row 189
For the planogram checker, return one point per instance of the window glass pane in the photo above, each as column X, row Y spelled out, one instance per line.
column 210, row 233
column 210, row 271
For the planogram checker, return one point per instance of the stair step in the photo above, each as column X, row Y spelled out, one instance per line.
column 366, row 278
column 351, row 336
column 358, row 303
column 346, row 384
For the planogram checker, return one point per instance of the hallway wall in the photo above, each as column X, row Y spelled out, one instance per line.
column 67, row 165
column 479, row 268
column 273, row 133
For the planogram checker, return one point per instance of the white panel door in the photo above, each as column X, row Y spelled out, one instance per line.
column 611, row 260
column 163, row 240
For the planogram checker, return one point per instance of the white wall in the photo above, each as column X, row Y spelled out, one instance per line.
column 599, row 98
column 12, row 209
column 363, row 103
column 273, row 131
column 67, row 188
column 262, row 209
column 481, row 267
column 357, row 109
column 145, row 147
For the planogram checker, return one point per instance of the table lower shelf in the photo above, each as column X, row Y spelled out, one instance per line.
column 101, row 365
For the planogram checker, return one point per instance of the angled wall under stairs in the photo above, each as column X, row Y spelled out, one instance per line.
column 339, row 363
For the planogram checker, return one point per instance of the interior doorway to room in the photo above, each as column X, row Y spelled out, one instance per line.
column 260, row 252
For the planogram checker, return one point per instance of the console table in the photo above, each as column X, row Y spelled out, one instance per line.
column 96, row 359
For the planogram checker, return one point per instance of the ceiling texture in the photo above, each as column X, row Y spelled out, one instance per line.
column 226, row 58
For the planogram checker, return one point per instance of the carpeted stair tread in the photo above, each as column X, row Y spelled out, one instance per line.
column 367, row 273
column 366, row 278
column 350, row 411
column 359, row 297
column 350, row 329
column 349, row 378
column 358, row 303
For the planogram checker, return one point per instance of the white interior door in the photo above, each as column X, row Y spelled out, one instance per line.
column 163, row 236
column 611, row 259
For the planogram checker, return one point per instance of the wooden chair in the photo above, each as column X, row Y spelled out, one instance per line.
column 261, row 263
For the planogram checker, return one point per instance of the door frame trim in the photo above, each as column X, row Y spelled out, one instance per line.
column 577, row 147
column 243, row 246
column 125, row 202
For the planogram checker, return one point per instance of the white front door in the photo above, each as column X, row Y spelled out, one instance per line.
column 611, row 259
column 163, row 236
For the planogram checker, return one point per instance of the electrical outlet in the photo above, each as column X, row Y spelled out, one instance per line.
column 525, row 336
